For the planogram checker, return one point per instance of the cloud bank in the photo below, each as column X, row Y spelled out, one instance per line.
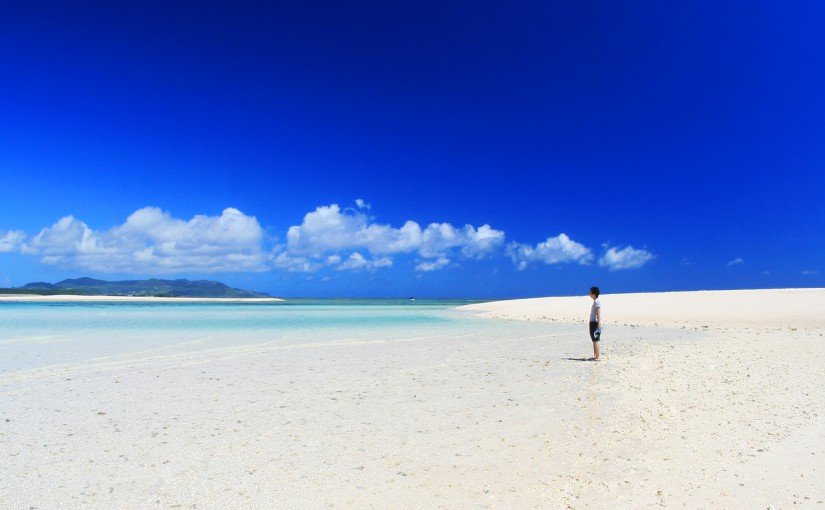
column 151, row 241
column 328, row 232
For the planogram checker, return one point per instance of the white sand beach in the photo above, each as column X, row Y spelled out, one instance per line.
column 774, row 308
column 718, row 401
column 702, row 400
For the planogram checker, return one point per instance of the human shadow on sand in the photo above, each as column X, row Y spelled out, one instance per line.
column 580, row 359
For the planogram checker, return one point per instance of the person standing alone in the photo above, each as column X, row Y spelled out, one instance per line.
column 595, row 322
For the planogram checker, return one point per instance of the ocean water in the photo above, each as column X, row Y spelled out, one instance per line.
column 39, row 335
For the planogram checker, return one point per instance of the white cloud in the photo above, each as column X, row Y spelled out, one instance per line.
column 626, row 258
column 736, row 262
column 439, row 238
column 356, row 261
column 11, row 241
column 482, row 242
column 810, row 272
column 152, row 242
column 435, row 265
column 330, row 231
column 382, row 262
column 554, row 250
column 297, row 264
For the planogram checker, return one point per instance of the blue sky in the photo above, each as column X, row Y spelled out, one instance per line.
column 444, row 149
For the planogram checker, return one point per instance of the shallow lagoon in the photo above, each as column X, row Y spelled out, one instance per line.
column 35, row 335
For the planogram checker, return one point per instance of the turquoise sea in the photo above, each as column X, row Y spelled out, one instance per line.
column 38, row 335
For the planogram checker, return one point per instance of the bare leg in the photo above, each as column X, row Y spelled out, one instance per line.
column 595, row 350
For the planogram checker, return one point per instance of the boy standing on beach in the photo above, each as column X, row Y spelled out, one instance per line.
column 595, row 321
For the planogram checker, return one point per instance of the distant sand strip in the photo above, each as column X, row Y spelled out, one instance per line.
column 33, row 298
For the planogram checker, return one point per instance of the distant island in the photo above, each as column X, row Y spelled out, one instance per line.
column 135, row 288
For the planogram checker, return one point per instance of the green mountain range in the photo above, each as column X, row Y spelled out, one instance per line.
column 144, row 288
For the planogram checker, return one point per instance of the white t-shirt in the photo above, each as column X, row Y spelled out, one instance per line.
column 593, row 316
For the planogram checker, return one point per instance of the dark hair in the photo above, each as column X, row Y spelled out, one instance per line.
column 594, row 290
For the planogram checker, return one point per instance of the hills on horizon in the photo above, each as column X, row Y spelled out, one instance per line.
column 141, row 288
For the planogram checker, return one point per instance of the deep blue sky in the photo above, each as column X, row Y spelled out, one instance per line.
column 685, row 138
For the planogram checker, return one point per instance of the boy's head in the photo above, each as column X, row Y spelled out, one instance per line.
column 594, row 291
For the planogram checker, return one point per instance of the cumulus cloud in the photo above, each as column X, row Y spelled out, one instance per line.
column 297, row 264
column 625, row 258
column 153, row 242
column 482, row 242
column 736, row 262
column 555, row 250
column 432, row 265
column 439, row 239
column 356, row 261
column 11, row 241
column 330, row 230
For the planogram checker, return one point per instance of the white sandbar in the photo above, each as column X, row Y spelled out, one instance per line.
column 675, row 416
